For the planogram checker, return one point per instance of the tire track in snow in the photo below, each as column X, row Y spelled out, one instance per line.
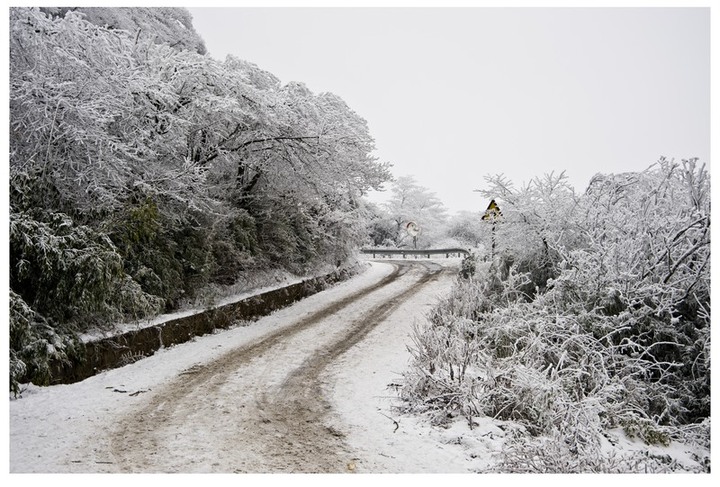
column 245, row 422
column 309, row 444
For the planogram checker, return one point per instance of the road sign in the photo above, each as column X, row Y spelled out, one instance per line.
column 412, row 229
column 493, row 212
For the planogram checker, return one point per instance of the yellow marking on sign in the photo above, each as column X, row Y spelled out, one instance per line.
column 493, row 211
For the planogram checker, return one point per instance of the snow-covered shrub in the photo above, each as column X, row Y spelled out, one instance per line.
column 645, row 271
column 170, row 254
column 466, row 229
column 234, row 245
column 468, row 266
column 618, row 336
column 555, row 455
column 69, row 272
column 33, row 343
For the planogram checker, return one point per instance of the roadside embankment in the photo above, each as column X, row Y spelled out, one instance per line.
column 127, row 347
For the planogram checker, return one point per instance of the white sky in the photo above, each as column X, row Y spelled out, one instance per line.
column 454, row 94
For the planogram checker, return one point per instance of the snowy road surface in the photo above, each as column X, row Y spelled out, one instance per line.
column 303, row 390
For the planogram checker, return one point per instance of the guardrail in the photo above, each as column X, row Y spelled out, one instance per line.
column 415, row 252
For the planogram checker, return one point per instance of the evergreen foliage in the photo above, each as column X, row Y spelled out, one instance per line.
column 33, row 342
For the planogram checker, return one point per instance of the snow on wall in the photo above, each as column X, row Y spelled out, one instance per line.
column 125, row 348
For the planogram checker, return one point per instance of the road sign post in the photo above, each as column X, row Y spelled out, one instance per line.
column 492, row 214
column 413, row 230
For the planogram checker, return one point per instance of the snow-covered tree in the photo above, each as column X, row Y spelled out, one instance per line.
column 411, row 202
column 468, row 229
column 141, row 172
column 164, row 25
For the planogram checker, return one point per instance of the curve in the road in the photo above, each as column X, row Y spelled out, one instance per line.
column 280, row 428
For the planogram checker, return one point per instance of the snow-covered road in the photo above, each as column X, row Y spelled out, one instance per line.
column 302, row 390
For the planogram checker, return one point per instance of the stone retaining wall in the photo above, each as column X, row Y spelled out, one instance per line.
column 119, row 350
